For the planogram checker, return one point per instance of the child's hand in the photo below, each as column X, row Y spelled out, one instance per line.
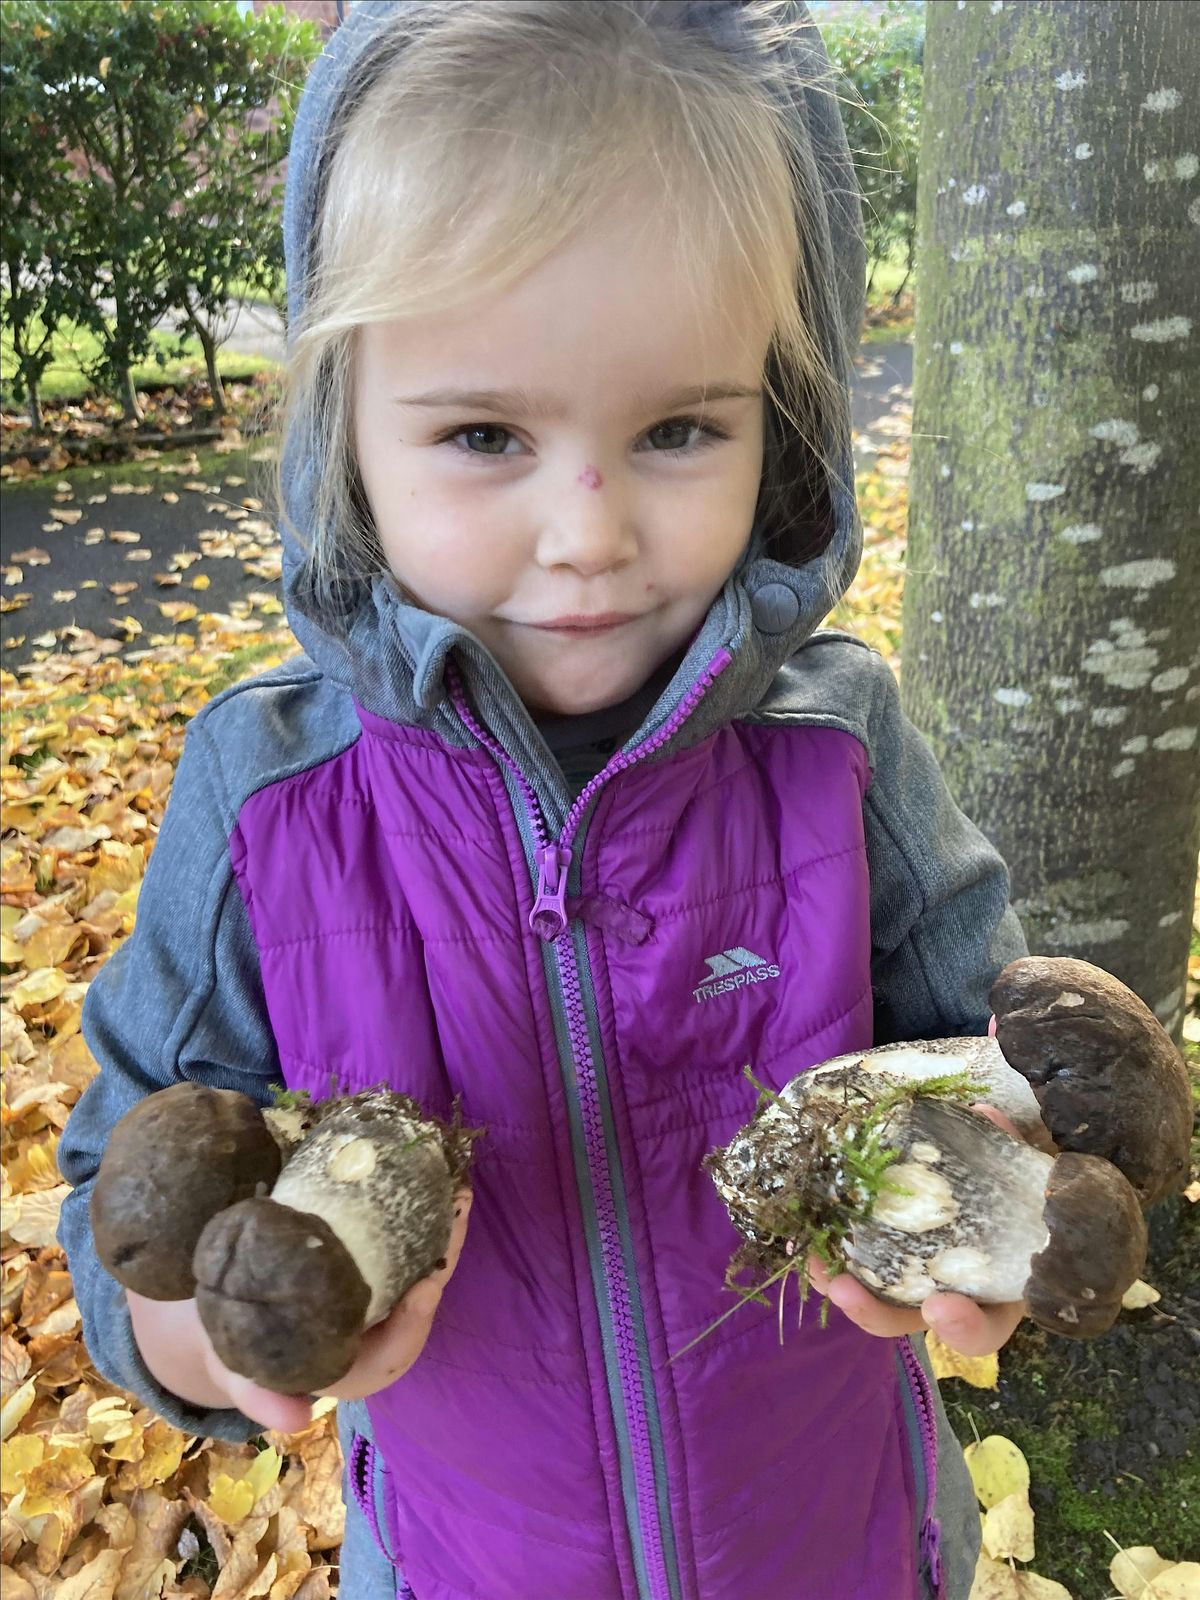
column 180, row 1355
column 391, row 1346
column 961, row 1323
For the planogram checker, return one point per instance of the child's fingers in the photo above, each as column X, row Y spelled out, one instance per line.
column 969, row 1328
column 863, row 1308
column 391, row 1347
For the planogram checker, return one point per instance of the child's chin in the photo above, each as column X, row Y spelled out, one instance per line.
column 570, row 697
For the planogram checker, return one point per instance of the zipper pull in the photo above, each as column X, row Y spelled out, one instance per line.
column 931, row 1554
column 549, row 915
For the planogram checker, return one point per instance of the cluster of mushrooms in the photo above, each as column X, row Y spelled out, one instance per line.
column 874, row 1162
column 296, row 1229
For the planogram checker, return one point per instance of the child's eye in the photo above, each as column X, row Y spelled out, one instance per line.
column 685, row 436
column 677, row 436
column 488, row 439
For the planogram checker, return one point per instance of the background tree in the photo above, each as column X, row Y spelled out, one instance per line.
column 35, row 202
column 881, row 57
column 171, row 197
column 1052, row 608
column 225, row 224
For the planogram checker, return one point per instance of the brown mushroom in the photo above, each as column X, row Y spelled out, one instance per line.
column 867, row 1159
column 1107, row 1078
column 176, row 1159
column 362, row 1210
column 280, row 1296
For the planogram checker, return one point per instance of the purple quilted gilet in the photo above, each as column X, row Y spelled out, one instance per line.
column 546, row 1446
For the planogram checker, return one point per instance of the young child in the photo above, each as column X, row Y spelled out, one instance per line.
column 570, row 812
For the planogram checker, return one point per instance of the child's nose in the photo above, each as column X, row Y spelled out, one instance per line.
column 589, row 529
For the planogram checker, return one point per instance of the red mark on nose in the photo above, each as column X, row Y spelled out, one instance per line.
column 590, row 478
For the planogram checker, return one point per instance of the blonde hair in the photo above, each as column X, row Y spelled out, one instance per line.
column 490, row 134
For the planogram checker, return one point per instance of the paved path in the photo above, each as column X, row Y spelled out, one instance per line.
column 881, row 403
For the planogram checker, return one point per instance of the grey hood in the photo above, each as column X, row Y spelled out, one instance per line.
column 392, row 655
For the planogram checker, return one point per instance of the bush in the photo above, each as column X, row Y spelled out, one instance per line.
column 168, row 186
column 881, row 61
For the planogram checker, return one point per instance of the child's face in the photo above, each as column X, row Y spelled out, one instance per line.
column 597, row 491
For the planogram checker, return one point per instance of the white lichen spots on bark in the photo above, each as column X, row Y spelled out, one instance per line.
column 1150, row 392
column 1017, row 209
column 1044, row 491
column 1117, row 429
column 1060, row 683
column 956, row 347
column 1165, row 1009
column 936, row 616
column 979, row 600
column 1171, row 918
column 1160, row 100
column 1173, row 678
column 1194, row 211
column 1135, row 746
column 1122, row 666
column 1164, row 331
column 1187, row 166
column 1106, row 931
column 1081, row 533
column 1122, row 769
column 1176, row 739
column 996, row 5
column 975, row 194
column 1084, row 152
column 1068, row 707
column 1138, row 453
column 1109, row 716
column 1137, row 293
column 1070, row 80
column 1086, row 272
column 1138, row 574
column 967, row 525
column 1012, row 697
column 944, row 470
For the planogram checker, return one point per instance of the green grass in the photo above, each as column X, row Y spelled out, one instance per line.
column 64, row 378
column 211, row 465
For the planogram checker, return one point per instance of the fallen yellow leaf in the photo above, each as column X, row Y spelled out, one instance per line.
column 997, row 1469
column 1138, row 1296
column 1008, row 1529
column 995, row 1581
column 981, row 1372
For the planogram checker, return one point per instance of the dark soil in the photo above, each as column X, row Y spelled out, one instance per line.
column 1110, row 1426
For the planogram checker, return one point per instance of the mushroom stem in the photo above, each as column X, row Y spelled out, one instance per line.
column 362, row 1210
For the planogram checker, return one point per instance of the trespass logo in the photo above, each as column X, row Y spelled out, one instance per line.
column 731, row 970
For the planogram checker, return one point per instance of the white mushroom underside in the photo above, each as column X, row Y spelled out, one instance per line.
column 978, row 1244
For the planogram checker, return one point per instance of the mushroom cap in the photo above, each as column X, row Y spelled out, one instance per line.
column 279, row 1296
column 1097, row 1248
column 1107, row 1077
column 177, row 1158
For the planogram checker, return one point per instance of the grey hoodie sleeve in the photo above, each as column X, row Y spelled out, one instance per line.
column 941, row 924
column 182, row 998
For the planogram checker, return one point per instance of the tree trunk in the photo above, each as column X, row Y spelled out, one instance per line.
column 1052, row 613
column 130, row 407
column 208, row 345
column 35, row 405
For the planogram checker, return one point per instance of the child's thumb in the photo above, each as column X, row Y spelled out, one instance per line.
column 285, row 1413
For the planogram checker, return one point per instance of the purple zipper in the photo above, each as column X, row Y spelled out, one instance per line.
column 931, row 1532
column 548, row 920
column 362, row 1467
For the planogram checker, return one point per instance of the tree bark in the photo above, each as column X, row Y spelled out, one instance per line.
column 208, row 345
column 1052, row 610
